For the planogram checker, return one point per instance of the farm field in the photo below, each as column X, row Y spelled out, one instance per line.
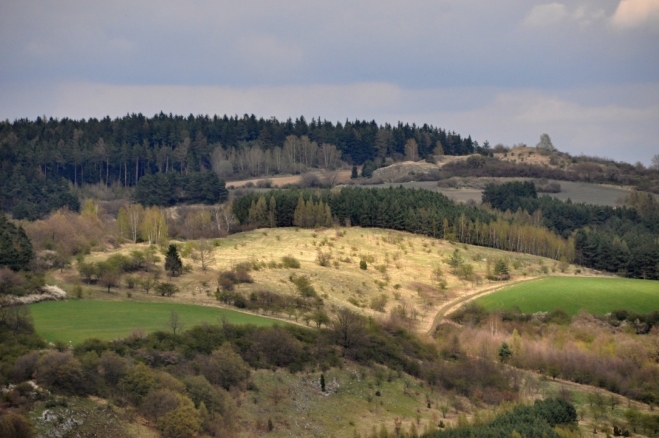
column 74, row 321
column 595, row 295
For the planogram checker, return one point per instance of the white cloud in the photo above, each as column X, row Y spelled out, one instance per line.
column 636, row 13
column 545, row 15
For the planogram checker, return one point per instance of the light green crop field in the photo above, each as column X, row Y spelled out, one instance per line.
column 595, row 295
column 75, row 321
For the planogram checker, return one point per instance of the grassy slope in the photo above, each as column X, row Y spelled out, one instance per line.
column 405, row 260
column 76, row 321
column 596, row 295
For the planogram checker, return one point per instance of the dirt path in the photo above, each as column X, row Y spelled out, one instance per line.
column 454, row 304
column 278, row 181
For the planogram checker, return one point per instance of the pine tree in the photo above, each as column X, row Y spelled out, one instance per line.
column 504, row 352
column 501, row 270
column 16, row 250
column 354, row 173
column 173, row 263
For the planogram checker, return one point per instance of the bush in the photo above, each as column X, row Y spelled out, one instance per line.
column 362, row 265
column 166, row 289
column 224, row 367
column 201, row 391
column 324, row 258
column 558, row 316
column 159, row 402
column 290, row 262
column 182, row 422
column 379, row 303
column 61, row 371
column 304, row 286
column 139, row 381
column 15, row 426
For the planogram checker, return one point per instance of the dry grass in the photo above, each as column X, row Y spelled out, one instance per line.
column 399, row 264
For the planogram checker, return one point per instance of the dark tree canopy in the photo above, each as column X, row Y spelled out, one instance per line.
column 173, row 263
column 16, row 250
column 40, row 158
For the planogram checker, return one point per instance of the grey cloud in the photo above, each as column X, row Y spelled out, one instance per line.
column 415, row 44
column 505, row 70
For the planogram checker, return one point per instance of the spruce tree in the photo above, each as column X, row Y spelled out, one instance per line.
column 173, row 263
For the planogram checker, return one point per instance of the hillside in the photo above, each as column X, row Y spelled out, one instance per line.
column 400, row 269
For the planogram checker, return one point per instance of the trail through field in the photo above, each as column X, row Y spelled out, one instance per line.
column 452, row 305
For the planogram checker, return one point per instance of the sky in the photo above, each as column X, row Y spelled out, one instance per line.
column 586, row 72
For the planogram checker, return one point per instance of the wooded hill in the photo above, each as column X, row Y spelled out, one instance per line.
column 38, row 159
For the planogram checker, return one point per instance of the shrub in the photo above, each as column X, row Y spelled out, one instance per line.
column 181, row 422
column 200, row 391
column 224, row 367
column 304, row 286
column 558, row 316
column 379, row 303
column 159, row 402
column 362, row 265
column 324, row 258
column 112, row 367
column 15, row 426
column 166, row 289
column 138, row 381
column 61, row 371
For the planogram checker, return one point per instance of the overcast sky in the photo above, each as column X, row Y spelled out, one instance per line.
column 585, row 71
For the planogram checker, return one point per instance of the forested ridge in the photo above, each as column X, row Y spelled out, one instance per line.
column 39, row 159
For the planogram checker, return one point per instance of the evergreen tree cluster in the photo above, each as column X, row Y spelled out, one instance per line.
column 623, row 240
column 16, row 250
column 536, row 421
column 38, row 159
column 165, row 189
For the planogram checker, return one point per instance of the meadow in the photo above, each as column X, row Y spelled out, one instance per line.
column 399, row 269
column 571, row 294
column 74, row 321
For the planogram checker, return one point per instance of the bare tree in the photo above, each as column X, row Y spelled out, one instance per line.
column 349, row 329
column 175, row 322
column 655, row 162
column 411, row 150
column 203, row 252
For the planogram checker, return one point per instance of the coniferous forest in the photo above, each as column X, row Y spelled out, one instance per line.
column 39, row 159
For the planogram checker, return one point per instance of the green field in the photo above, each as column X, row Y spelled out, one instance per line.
column 75, row 321
column 595, row 295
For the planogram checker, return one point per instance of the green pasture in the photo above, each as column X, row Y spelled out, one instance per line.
column 595, row 295
column 75, row 321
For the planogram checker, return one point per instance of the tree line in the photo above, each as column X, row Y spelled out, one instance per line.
column 40, row 158
column 415, row 211
column 623, row 240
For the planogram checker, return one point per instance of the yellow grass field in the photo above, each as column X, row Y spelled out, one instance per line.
column 399, row 267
